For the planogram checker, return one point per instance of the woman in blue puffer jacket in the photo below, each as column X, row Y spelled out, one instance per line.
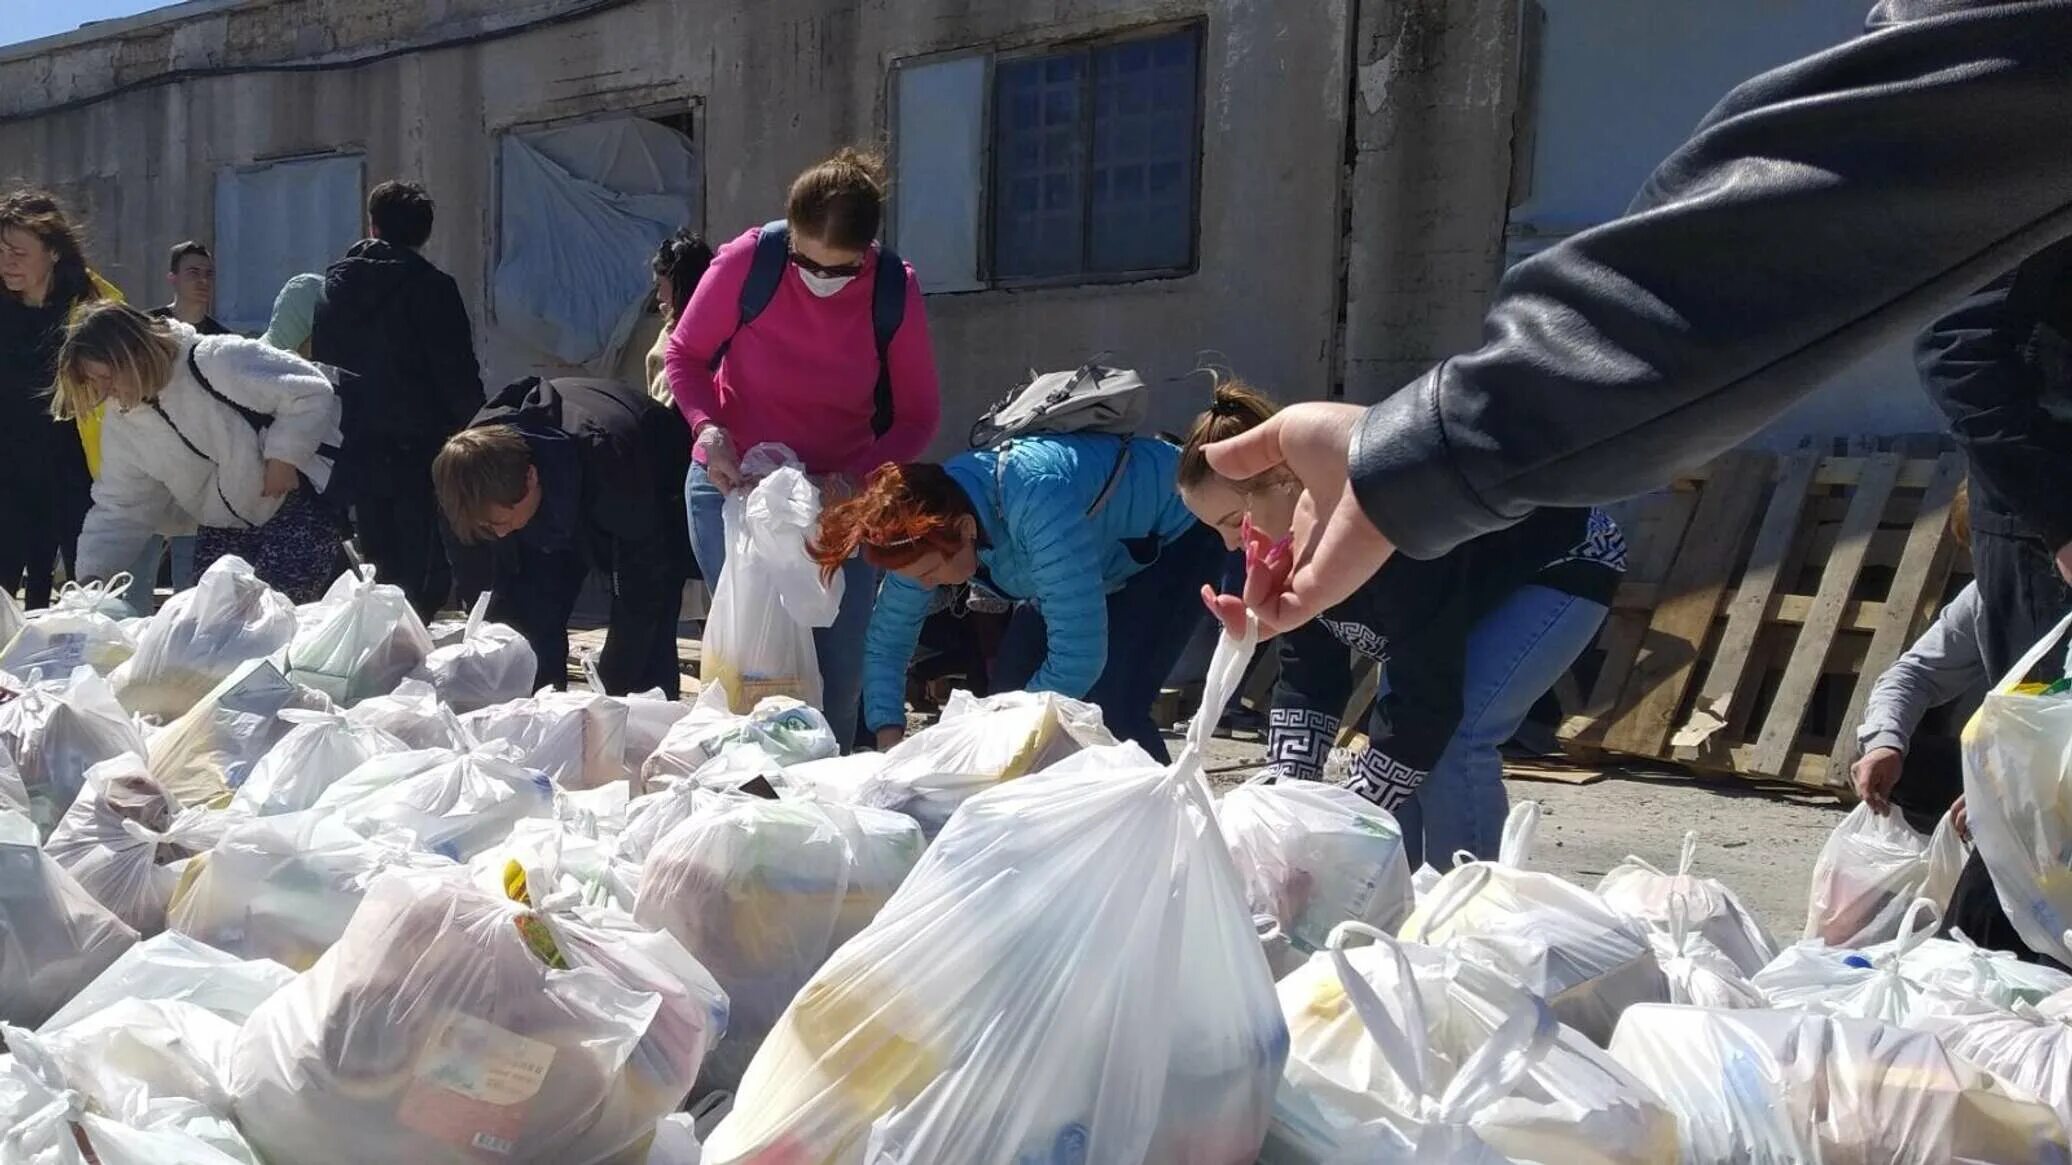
column 1084, row 534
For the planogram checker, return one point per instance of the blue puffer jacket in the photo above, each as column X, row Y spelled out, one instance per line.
column 1041, row 547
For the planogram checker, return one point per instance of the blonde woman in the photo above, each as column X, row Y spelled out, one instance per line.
column 217, row 432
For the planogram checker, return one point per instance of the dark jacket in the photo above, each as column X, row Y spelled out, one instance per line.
column 2000, row 368
column 36, row 447
column 612, row 461
column 1413, row 619
column 1822, row 210
column 398, row 322
column 209, row 325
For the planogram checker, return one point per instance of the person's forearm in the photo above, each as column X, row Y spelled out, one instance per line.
column 1823, row 210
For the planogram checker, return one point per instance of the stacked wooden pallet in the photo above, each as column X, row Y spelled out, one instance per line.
column 1764, row 596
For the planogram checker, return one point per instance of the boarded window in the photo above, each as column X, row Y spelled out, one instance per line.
column 278, row 220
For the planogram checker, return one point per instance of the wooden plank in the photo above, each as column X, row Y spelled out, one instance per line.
column 1727, row 676
column 1691, row 598
column 1837, row 579
column 1556, row 773
column 1922, row 573
column 1783, row 611
column 1620, row 640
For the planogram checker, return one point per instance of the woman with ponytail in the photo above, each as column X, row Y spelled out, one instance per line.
column 1090, row 544
column 1467, row 643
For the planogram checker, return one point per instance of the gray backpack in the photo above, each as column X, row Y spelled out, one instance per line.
column 1090, row 399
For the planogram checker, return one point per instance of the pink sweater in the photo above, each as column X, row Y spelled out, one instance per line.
column 803, row 372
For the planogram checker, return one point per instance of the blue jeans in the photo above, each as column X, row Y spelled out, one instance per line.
column 839, row 646
column 1514, row 656
column 1150, row 621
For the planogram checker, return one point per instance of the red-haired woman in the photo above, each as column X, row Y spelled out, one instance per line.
column 1086, row 535
column 43, row 477
column 807, row 372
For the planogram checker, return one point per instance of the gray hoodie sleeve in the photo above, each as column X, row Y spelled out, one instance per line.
column 1942, row 665
column 1822, row 210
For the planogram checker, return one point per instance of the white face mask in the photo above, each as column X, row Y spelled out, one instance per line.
column 823, row 286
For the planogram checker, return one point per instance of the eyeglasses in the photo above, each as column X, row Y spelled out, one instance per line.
column 837, row 271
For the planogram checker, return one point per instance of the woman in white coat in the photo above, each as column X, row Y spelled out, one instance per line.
column 217, row 432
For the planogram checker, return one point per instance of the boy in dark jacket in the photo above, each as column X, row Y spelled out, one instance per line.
column 560, row 478
column 398, row 322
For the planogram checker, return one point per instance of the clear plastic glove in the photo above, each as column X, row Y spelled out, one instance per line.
column 280, row 479
column 722, row 463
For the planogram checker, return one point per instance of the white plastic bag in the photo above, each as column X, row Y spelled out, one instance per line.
column 441, row 1028
column 649, row 717
column 976, row 744
column 459, row 805
column 2028, row 1048
column 1908, row 980
column 1778, row 1086
column 1711, row 910
column 2018, row 787
column 787, row 731
column 175, row 968
column 491, row 664
column 360, row 640
column 1870, row 872
column 205, row 755
column 1555, row 939
column 1697, row 970
column 125, row 839
column 283, row 888
column 54, row 938
column 200, row 636
column 412, row 714
column 319, row 750
column 761, row 892
column 80, row 628
column 1313, row 855
column 1068, row 975
column 1403, row 1053
column 11, row 617
column 58, row 728
column 14, row 795
column 577, row 738
column 755, row 648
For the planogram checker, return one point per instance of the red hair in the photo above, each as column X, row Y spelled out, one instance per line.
column 903, row 513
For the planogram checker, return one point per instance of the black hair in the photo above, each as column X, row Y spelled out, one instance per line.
column 182, row 250
column 401, row 213
column 684, row 258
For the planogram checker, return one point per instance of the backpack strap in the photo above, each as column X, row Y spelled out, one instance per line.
column 765, row 275
column 888, row 308
column 253, row 417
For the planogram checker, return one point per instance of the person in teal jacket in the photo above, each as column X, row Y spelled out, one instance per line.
column 1085, row 535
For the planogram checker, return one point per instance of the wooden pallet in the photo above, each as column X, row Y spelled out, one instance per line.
column 1763, row 597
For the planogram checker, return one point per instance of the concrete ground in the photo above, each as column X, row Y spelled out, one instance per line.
column 1759, row 840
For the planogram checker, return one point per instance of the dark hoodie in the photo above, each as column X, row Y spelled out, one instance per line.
column 398, row 322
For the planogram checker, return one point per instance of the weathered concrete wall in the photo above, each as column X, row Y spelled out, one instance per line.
column 1435, row 90
column 782, row 82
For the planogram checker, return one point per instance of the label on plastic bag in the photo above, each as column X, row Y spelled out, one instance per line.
column 474, row 1084
column 21, row 872
column 63, row 649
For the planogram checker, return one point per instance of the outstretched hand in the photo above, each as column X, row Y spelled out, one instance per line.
column 1332, row 548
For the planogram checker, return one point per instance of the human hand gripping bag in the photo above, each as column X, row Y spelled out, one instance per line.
column 1069, row 974
column 360, row 640
column 1792, row 1087
column 453, row 1025
column 81, row 628
column 412, row 714
column 1869, row 873
column 490, row 664
column 56, row 729
column 54, row 938
column 787, row 731
column 126, row 839
column 1714, row 912
column 319, row 750
column 283, row 888
column 1555, row 939
column 200, row 636
column 978, row 743
column 1404, row 1053
column 1312, row 856
column 2018, row 787
column 761, row 892
column 753, row 647
column 204, row 756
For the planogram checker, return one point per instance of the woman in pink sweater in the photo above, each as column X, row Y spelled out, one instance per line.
column 785, row 347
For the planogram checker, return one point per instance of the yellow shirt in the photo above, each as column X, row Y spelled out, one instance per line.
column 90, row 423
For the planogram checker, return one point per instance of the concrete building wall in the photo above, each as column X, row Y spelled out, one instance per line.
column 133, row 121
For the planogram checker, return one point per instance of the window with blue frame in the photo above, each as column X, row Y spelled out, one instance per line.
column 1094, row 160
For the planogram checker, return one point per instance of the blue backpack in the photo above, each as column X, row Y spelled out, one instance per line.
column 888, row 307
